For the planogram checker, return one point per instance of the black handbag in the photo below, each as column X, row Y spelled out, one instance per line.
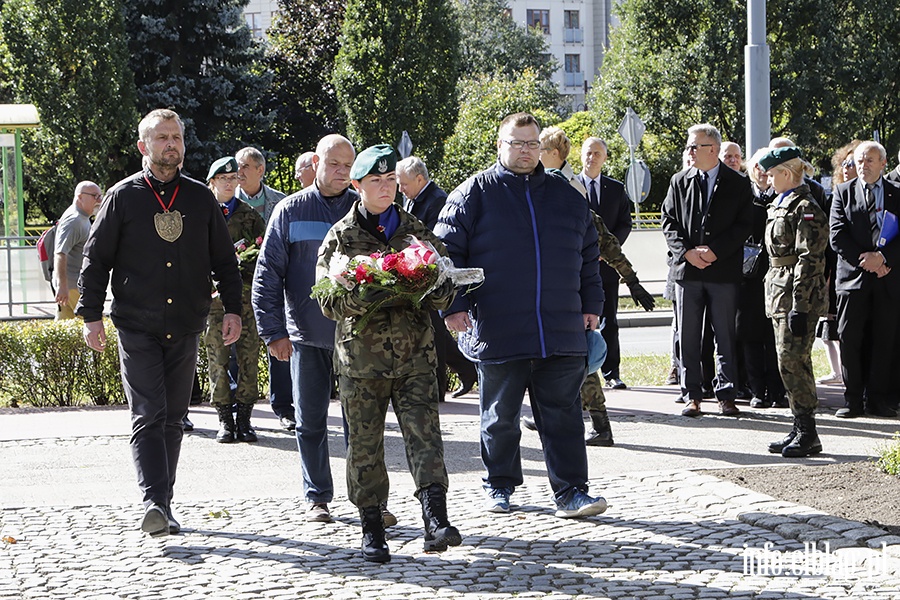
column 752, row 253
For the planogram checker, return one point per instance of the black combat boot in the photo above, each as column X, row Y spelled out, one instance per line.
column 225, row 434
column 601, row 435
column 777, row 447
column 807, row 440
column 374, row 548
column 245, row 432
column 439, row 533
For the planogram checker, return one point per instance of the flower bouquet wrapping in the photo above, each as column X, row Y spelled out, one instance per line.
column 247, row 253
column 393, row 278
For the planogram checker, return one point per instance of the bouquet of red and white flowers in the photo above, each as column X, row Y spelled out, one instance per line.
column 406, row 276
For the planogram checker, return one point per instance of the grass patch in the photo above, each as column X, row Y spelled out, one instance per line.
column 889, row 457
column 653, row 369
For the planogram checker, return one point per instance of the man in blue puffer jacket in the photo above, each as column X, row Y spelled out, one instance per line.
column 525, row 325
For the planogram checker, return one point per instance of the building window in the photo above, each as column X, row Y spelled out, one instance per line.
column 572, row 31
column 573, row 75
column 570, row 19
column 539, row 18
column 254, row 22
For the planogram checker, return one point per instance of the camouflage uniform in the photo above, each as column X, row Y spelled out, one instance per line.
column 392, row 359
column 244, row 224
column 592, row 397
column 796, row 237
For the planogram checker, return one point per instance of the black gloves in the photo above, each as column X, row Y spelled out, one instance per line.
column 371, row 295
column 641, row 296
column 798, row 323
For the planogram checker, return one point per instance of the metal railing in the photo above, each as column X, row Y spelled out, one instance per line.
column 24, row 294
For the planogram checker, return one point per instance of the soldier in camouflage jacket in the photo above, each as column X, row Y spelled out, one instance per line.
column 796, row 296
column 388, row 358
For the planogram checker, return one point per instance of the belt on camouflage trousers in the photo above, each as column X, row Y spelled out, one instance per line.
column 783, row 261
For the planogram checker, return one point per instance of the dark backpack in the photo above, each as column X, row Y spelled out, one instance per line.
column 46, row 246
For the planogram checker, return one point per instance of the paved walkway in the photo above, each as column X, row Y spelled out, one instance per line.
column 68, row 499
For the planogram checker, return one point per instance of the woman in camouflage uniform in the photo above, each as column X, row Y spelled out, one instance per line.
column 796, row 296
column 244, row 223
column 388, row 357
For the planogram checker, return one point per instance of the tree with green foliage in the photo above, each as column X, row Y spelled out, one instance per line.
column 69, row 59
column 303, row 44
column 492, row 42
column 835, row 74
column 397, row 70
column 199, row 58
column 484, row 101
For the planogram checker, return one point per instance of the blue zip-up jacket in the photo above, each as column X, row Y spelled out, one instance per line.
column 286, row 268
column 534, row 238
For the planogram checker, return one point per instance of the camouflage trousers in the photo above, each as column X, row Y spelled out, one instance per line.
column 795, row 364
column 219, row 355
column 592, row 397
column 415, row 402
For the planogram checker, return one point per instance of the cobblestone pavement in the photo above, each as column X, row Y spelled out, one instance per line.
column 668, row 533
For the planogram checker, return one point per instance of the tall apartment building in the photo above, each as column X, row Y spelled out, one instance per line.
column 577, row 34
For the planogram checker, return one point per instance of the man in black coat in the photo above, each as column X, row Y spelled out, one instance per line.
column 706, row 217
column 867, row 288
column 424, row 199
column 608, row 199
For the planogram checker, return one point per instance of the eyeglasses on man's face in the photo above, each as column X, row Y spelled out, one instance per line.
column 92, row 194
column 520, row 144
column 693, row 147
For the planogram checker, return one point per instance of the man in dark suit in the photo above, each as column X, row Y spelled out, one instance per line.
column 608, row 199
column 867, row 288
column 424, row 199
column 706, row 217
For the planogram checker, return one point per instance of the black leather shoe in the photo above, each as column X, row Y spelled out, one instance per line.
column 807, row 440
column 881, row 411
column 528, row 423
column 692, row 409
column 601, row 434
column 744, row 394
column 464, row 388
column 186, row 424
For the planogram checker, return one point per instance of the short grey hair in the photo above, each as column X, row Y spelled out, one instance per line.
column 412, row 166
column 251, row 153
column 708, row 130
column 865, row 147
column 154, row 116
column 594, row 140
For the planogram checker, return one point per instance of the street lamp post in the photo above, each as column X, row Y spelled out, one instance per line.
column 756, row 76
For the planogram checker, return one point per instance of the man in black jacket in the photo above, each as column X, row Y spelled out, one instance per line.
column 164, row 238
column 608, row 199
column 424, row 199
column 706, row 217
column 867, row 287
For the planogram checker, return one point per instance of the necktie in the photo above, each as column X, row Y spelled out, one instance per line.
column 873, row 213
column 595, row 200
column 704, row 189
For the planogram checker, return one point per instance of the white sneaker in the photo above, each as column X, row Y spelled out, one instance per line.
column 830, row 379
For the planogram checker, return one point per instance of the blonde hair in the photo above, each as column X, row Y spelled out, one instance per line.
column 797, row 167
column 556, row 139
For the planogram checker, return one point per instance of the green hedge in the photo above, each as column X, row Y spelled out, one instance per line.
column 46, row 363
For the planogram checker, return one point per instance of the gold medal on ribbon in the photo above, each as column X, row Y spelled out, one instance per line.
column 168, row 225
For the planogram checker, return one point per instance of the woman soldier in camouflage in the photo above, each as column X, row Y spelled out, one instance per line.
column 390, row 359
column 796, row 295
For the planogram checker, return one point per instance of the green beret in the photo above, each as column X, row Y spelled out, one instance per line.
column 776, row 156
column 226, row 164
column 374, row 160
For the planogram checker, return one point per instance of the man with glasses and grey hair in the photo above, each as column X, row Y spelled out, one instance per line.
column 71, row 233
column 305, row 170
column 706, row 217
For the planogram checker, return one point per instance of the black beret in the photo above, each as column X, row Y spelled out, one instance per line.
column 776, row 156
